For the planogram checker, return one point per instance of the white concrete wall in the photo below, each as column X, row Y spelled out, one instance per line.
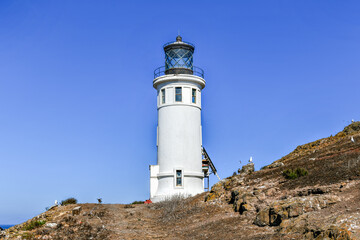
column 179, row 136
column 154, row 171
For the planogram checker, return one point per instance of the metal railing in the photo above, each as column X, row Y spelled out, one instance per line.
column 166, row 44
column 195, row 71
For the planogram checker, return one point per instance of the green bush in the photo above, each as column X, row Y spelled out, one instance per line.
column 293, row 174
column 33, row 224
column 137, row 202
column 301, row 172
column 68, row 201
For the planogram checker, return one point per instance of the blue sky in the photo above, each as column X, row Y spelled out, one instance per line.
column 78, row 111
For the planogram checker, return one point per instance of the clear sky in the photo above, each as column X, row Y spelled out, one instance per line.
column 78, row 111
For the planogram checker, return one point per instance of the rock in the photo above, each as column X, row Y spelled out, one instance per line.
column 51, row 225
column 270, row 192
column 244, row 207
column 76, row 210
column 276, row 216
column 227, row 183
column 302, row 226
column 336, row 233
column 291, row 208
column 297, row 225
column 248, row 197
column 247, row 169
column 261, row 197
column 2, row 233
column 316, row 191
column 234, row 195
column 294, row 210
column 262, row 218
column 312, row 191
column 212, row 196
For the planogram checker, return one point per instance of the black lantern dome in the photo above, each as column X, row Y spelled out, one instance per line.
column 179, row 59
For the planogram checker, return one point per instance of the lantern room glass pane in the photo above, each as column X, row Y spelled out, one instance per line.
column 178, row 58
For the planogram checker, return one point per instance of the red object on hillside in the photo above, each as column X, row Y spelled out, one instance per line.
column 148, row 201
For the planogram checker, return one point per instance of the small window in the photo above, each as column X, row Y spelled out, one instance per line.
column 193, row 95
column 178, row 178
column 178, row 95
column 162, row 96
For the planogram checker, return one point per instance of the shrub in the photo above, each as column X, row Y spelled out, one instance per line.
column 68, row 201
column 176, row 207
column 137, row 202
column 293, row 174
column 289, row 174
column 33, row 224
column 301, row 172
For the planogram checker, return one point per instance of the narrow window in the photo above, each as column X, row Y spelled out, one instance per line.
column 178, row 178
column 162, row 96
column 193, row 95
column 178, row 95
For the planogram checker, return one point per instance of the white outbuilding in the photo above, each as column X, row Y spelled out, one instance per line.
column 180, row 165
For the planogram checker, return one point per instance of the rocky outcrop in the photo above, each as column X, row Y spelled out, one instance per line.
column 310, row 230
column 279, row 211
column 247, row 169
column 308, row 207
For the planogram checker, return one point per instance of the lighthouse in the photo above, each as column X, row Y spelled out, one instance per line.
column 179, row 85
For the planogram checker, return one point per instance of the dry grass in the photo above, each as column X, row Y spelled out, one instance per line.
column 177, row 207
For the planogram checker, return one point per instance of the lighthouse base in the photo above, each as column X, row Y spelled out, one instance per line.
column 166, row 187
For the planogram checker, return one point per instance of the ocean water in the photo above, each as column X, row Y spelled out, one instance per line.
column 5, row 226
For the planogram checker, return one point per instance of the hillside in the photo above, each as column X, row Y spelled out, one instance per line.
column 318, row 198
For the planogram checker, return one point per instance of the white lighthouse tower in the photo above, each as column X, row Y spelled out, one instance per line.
column 179, row 84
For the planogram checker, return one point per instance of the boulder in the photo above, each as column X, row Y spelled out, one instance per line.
column 262, row 218
column 76, row 210
column 295, row 209
column 276, row 215
column 295, row 225
column 246, row 207
column 234, row 195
